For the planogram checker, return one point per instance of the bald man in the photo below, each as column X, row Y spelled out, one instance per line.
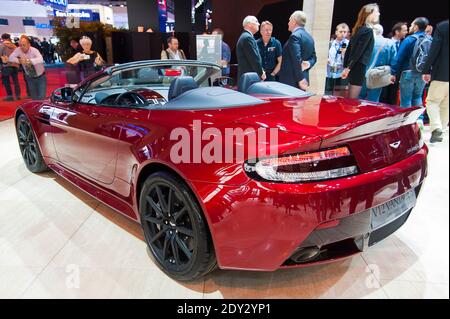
column 33, row 64
column 249, row 59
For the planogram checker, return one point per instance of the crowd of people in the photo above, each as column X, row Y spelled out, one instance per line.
column 373, row 67
column 22, row 56
column 266, row 57
column 26, row 56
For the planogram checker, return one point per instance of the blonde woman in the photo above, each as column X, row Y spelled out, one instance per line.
column 88, row 60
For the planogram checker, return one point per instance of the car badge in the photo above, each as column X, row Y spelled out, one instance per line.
column 395, row 145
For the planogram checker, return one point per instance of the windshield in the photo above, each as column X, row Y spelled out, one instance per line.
column 156, row 77
column 153, row 76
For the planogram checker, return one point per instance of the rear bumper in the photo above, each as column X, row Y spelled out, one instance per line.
column 258, row 226
column 353, row 235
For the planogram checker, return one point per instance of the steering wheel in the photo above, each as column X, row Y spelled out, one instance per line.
column 130, row 98
column 224, row 81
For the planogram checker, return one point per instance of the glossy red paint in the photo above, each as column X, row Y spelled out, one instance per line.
column 258, row 225
column 254, row 225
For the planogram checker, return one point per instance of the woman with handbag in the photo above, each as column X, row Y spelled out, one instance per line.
column 88, row 61
column 378, row 74
column 360, row 48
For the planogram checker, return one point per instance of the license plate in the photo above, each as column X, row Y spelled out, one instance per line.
column 389, row 211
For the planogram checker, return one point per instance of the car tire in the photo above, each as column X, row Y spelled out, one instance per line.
column 29, row 147
column 175, row 229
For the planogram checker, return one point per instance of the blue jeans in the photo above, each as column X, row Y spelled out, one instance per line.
column 38, row 87
column 411, row 89
column 372, row 95
column 8, row 73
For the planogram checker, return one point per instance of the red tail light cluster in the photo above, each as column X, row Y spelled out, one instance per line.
column 304, row 167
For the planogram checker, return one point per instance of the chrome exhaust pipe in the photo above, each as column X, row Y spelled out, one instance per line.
column 305, row 255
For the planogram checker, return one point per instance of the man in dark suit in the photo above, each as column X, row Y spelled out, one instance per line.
column 436, row 71
column 249, row 59
column 299, row 53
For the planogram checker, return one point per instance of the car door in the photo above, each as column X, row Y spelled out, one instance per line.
column 86, row 139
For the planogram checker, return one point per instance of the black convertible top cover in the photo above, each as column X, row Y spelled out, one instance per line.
column 208, row 98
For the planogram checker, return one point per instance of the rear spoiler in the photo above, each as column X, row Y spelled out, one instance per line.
column 358, row 130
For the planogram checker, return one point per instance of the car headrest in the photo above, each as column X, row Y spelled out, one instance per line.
column 180, row 85
column 247, row 80
column 148, row 73
column 100, row 96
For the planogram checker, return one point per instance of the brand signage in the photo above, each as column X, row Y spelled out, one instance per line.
column 83, row 15
column 56, row 4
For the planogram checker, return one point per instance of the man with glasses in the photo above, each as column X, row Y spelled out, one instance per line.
column 336, row 55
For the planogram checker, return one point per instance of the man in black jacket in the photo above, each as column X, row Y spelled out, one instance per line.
column 249, row 59
column 436, row 71
column 299, row 54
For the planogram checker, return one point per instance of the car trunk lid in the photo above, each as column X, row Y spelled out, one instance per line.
column 377, row 134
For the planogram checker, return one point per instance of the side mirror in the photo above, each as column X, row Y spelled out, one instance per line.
column 62, row 95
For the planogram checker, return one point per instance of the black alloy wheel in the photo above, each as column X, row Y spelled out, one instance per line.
column 29, row 147
column 174, row 228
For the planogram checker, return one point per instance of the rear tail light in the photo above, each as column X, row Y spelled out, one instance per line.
column 305, row 167
column 421, row 141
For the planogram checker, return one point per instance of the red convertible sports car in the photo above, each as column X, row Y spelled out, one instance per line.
column 170, row 145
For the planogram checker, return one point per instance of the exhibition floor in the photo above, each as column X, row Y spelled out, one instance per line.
column 58, row 242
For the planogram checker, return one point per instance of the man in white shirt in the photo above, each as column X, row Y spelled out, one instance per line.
column 173, row 52
column 33, row 64
column 336, row 55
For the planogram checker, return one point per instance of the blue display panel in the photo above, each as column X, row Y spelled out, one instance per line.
column 55, row 4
